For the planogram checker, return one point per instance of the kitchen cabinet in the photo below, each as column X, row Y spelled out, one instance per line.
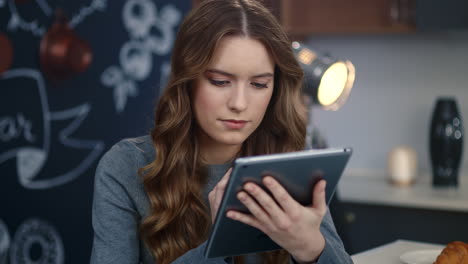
column 305, row 17
column 302, row 18
column 369, row 211
column 365, row 226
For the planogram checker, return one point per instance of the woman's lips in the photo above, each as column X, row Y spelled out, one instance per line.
column 234, row 124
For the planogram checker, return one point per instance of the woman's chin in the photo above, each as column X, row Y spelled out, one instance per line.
column 232, row 140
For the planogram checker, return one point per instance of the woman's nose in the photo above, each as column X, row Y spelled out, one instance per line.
column 238, row 99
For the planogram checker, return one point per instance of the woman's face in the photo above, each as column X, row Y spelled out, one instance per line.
column 232, row 95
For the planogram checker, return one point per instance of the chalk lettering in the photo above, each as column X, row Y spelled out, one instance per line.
column 11, row 128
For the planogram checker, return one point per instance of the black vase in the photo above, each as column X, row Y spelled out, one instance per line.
column 446, row 142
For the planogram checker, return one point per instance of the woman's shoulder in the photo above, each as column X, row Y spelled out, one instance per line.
column 127, row 156
column 138, row 151
column 117, row 176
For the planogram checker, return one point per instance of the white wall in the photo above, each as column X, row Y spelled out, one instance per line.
column 398, row 78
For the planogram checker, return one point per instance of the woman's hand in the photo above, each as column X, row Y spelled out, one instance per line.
column 294, row 227
column 216, row 194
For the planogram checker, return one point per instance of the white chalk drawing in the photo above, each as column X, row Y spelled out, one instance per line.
column 19, row 23
column 39, row 234
column 123, row 87
column 44, row 7
column 15, row 127
column 79, row 114
column 140, row 17
column 31, row 158
column 137, row 60
column 4, row 242
column 96, row 5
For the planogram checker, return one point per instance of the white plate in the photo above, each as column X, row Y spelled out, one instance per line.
column 427, row 256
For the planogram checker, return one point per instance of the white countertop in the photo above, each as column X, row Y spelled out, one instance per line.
column 372, row 187
column 390, row 253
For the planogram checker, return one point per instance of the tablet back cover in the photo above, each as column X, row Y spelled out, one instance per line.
column 297, row 174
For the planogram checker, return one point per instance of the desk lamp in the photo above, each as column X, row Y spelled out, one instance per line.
column 327, row 84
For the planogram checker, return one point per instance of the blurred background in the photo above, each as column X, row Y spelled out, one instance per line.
column 62, row 109
column 78, row 76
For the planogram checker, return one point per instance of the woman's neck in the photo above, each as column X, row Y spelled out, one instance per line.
column 218, row 154
column 213, row 153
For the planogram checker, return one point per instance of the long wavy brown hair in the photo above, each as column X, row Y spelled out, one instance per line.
column 180, row 218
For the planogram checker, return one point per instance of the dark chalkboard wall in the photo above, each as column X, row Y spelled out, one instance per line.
column 52, row 134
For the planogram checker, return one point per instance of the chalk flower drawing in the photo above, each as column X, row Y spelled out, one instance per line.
column 136, row 61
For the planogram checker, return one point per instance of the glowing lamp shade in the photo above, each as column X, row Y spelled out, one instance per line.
column 327, row 81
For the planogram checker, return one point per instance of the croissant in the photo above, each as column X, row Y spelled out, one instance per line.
column 455, row 252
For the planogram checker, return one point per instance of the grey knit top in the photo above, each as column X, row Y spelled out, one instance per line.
column 120, row 204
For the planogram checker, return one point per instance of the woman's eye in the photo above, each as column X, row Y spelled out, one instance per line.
column 218, row 83
column 260, row 85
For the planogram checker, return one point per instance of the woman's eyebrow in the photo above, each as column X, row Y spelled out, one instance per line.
column 220, row 72
column 266, row 74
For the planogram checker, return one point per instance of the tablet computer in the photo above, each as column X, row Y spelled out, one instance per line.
column 296, row 171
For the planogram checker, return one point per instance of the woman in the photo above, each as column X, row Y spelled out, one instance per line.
column 234, row 90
